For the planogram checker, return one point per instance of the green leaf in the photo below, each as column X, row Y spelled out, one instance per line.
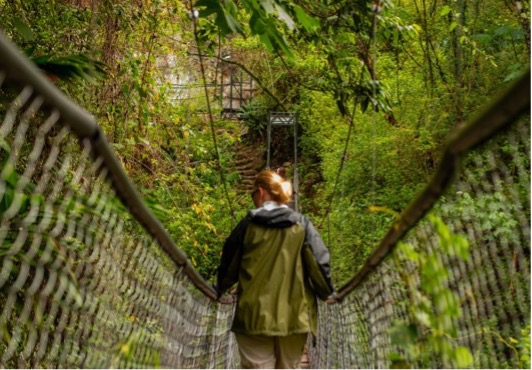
column 433, row 275
column 231, row 17
column 9, row 174
column 447, row 303
column 397, row 361
column 7, row 198
column 23, row 29
column 208, row 11
column 210, row 5
column 408, row 251
column 403, row 333
column 226, row 15
column 446, row 9
column 453, row 26
column 308, row 22
column 266, row 41
column 257, row 24
column 71, row 67
column 422, row 317
column 462, row 357
column 267, row 5
column 416, row 28
column 395, row 36
column 283, row 15
column 4, row 145
column 461, row 247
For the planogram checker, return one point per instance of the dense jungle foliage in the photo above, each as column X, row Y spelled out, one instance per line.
column 376, row 97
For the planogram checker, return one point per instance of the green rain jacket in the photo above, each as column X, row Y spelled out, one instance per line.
column 281, row 264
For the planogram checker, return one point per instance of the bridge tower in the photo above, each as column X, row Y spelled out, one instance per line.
column 236, row 89
column 285, row 119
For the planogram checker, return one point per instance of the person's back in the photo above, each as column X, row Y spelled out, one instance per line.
column 274, row 296
column 280, row 264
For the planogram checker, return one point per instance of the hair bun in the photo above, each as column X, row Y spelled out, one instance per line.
column 279, row 188
column 286, row 186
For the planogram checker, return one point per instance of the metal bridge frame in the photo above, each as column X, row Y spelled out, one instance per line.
column 237, row 85
column 285, row 119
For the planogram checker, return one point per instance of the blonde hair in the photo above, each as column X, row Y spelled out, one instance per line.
column 279, row 188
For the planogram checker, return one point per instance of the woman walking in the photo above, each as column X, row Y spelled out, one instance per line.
column 280, row 264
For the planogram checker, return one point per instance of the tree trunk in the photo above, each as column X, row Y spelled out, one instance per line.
column 459, row 17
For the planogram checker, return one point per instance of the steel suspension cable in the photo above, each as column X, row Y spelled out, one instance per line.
column 342, row 159
column 194, row 18
column 377, row 7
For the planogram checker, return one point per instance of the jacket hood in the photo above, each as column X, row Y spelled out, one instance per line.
column 278, row 217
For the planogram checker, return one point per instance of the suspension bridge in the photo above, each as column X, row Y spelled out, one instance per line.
column 90, row 278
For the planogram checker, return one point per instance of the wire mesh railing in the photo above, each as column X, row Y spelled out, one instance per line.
column 89, row 278
column 85, row 282
column 450, row 288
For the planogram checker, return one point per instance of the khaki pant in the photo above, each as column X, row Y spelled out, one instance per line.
column 265, row 352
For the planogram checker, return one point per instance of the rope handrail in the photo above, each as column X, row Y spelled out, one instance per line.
column 502, row 111
column 20, row 70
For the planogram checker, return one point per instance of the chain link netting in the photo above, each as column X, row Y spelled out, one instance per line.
column 81, row 283
column 480, row 301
